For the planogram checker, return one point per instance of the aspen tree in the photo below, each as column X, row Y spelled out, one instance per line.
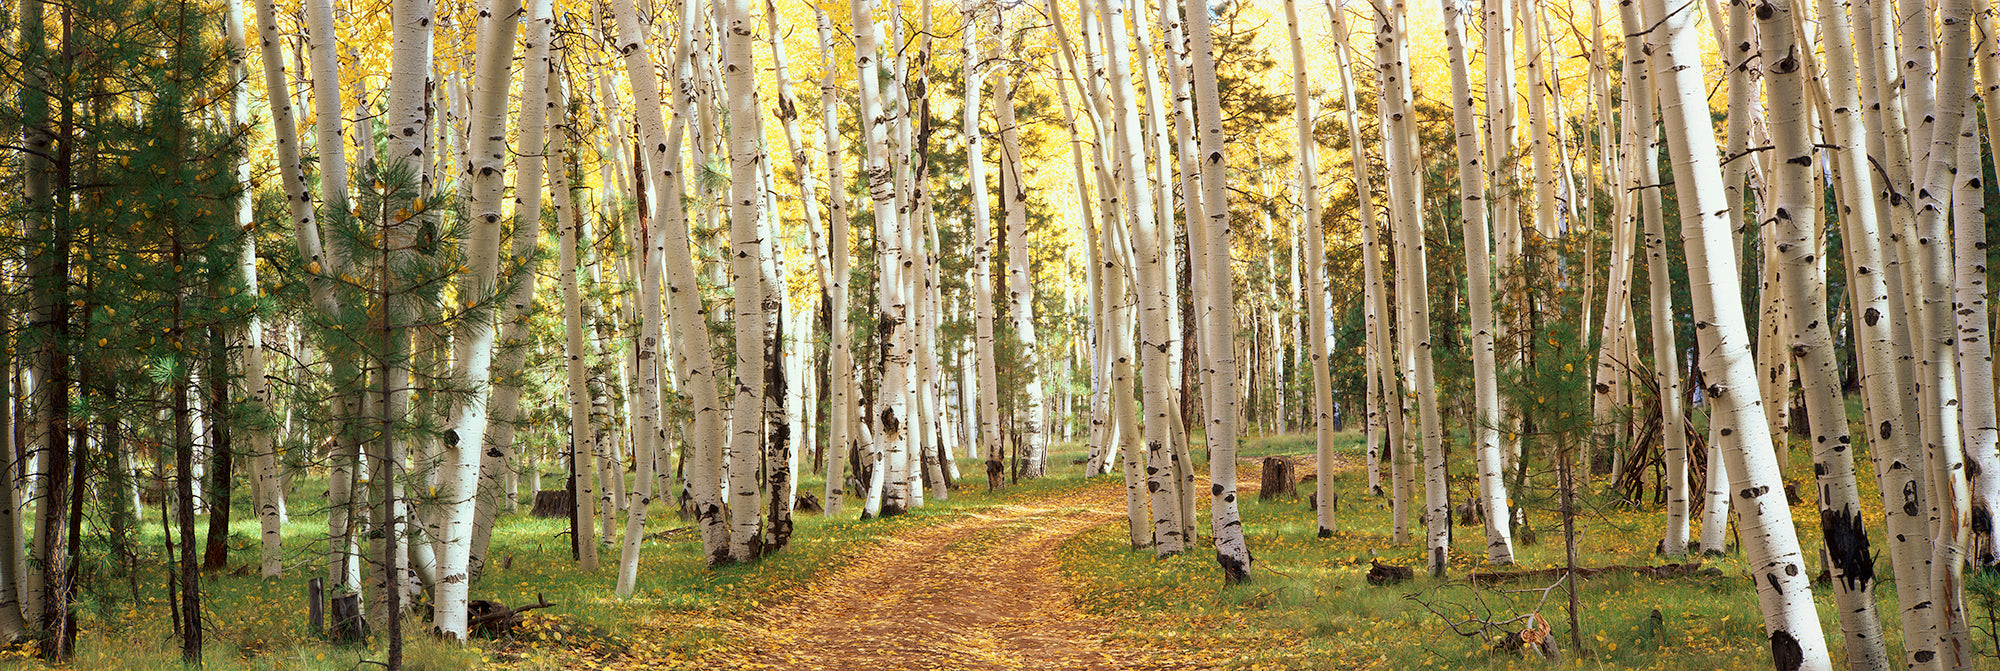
column 1020, row 283
column 1975, row 340
column 1406, row 200
column 485, row 169
column 263, row 461
column 1379, row 383
column 1232, row 551
column 982, row 255
column 1472, row 218
column 1794, row 204
column 1953, row 527
column 673, row 252
column 1304, row 109
column 746, row 208
column 514, row 316
column 1770, row 544
column 1153, row 302
column 1899, row 458
column 841, row 377
column 893, row 401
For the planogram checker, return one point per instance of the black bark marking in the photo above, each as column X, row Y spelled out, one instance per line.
column 1785, row 651
column 1847, row 545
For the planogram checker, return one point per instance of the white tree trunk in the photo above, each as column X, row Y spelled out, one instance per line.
column 264, row 463
column 1770, row 544
column 1232, row 550
column 1472, row 217
column 536, row 102
column 1795, row 203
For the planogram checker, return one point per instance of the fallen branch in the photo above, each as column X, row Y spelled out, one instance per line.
column 1687, row 570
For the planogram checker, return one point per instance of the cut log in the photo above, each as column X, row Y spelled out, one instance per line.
column 1385, row 574
column 1279, row 479
column 492, row 618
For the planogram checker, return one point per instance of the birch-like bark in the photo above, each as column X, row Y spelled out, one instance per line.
column 473, row 340
column 673, row 250
column 841, row 405
column 1406, row 200
column 893, row 401
column 1795, row 201
column 263, row 463
column 746, row 207
column 982, row 262
column 1975, row 337
column 1770, row 545
column 537, row 95
column 1304, row 110
column 1232, row 550
column 1153, row 302
column 1472, row 219
column 1897, row 438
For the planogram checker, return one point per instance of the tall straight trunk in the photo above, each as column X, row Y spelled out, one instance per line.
column 221, row 454
column 1795, row 203
column 499, row 441
column 1406, row 201
column 1375, row 380
column 788, row 116
column 263, row 462
column 982, row 263
column 1975, row 342
column 1666, row 352
column 892, row 399
column 473, row 339
column 1020, row 281
column 1472, row 218
column 672, row 249
column 1898, row 450
column 1232, row 550
column 1770, row 544
column 840, row 359
column 1305, row 109
column 577, row 370
column 747, row 256
column 1940, row 357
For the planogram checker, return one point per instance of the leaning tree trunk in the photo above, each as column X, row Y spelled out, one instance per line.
column 1472, row 217
column 1770, row 544
column 1795, row 203
column 685, row 307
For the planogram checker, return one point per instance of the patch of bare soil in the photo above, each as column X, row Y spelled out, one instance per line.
column 984, row 592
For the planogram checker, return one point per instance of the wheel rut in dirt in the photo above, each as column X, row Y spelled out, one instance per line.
column 983, row 592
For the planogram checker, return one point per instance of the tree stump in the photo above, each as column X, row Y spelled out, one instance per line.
column 806, row 503
column 347, row 625
column 553, row 503
column 1278, row 479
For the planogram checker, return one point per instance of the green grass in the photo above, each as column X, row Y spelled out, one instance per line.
column 681, row 606
column 1308, row 605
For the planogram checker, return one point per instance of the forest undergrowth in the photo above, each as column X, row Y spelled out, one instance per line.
column 1310, row 606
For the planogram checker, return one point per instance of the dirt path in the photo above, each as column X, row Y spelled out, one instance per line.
column 984, row 592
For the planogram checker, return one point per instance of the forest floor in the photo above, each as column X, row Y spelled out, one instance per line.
column 984, row 591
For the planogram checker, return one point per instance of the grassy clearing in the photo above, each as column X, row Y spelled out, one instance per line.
column 682, row 606
column 1308, row 605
